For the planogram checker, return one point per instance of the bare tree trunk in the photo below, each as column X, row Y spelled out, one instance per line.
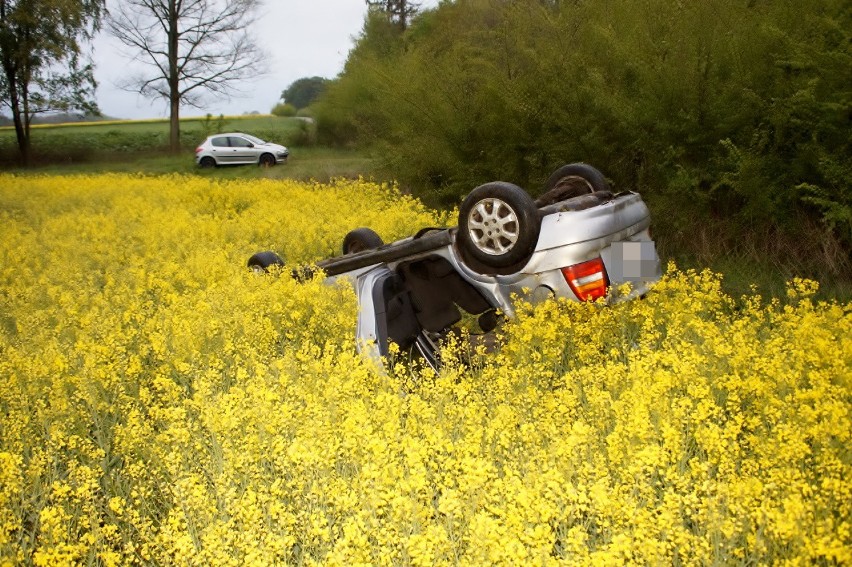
column 174, row 125
column 22, row 134
column 24, row 117
column 174, row 80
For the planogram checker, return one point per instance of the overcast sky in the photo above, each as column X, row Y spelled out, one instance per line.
column 303, row 38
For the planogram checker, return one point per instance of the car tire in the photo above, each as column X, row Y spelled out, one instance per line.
column 361, row 239
column 264, row 261
column 207, row 162
column 572, row 180
column 266, row 160
column 499, row 226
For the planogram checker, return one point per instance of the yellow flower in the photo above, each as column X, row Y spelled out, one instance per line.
column 162, row 404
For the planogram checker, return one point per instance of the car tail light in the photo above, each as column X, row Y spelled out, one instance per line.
column 198, row 149
column 588, row 280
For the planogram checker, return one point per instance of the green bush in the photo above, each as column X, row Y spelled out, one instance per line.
column 284, row 109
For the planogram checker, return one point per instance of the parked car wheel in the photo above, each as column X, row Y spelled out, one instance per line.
column 572, row 180
column 498, row 226
column 263, row 261
column 266, row 160
column 361, row 239
column 207, row 162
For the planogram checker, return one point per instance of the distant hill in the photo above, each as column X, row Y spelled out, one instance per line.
column 61, row 118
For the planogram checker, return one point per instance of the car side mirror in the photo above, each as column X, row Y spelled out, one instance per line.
column 251, row 145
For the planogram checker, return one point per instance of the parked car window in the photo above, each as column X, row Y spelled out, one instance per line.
column 240, row 142
column 254, row 139
column 220, row 142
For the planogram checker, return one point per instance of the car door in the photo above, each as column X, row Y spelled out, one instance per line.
column 221, row 150
column 243, row 150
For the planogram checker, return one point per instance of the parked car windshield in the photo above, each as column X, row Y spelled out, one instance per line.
column 254, row 140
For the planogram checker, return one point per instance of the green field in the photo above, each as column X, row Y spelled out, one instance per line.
column 141, row 146
column 98, row 141
column 305, row 163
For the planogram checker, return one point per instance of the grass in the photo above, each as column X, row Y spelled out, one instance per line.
column 753, row 261
column 307, row 163
column 745, row 276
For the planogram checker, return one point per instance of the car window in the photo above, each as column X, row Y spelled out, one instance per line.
column 221, row 142
column 239, row 142
column 254, row 139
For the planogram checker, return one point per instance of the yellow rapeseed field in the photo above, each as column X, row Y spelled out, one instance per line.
column 162, row 405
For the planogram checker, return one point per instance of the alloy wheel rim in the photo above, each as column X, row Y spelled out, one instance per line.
column 493, row 226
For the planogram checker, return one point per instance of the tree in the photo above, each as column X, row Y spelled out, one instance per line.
column 43, row 68
column 284, row 109
column 303, row 92
column 399, row 12
column 190, row 47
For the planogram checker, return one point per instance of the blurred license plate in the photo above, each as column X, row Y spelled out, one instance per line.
column 634, row 261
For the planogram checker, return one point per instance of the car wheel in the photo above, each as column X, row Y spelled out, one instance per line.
column 361, row 239
column 207, row 162
column 266, row 160
column 498, row 226
column 572, row 180
column 264, row 261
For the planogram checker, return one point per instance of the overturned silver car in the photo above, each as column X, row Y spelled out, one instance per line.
column 578, row 241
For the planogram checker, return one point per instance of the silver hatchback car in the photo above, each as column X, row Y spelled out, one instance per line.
column 238, row 148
